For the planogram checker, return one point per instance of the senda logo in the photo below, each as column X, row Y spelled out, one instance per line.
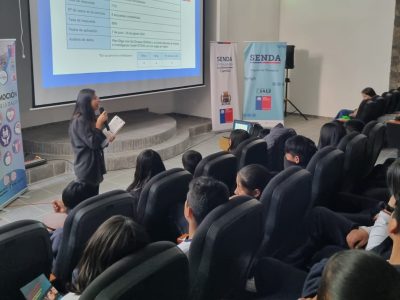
column 265, row 59
column 8, row 96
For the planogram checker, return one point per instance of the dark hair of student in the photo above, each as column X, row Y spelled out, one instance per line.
column 330, row 135
column 236, row 137
column 190, row 160
column 393, row 179
column 301, row 146
column 116, row 238
column 148, row 164
column 205, row 194
column 254, row 177
column 354, row 126
column 76, row 192
column 359, row 275
column 369, row 91
column 83, row 105
column 257, row 131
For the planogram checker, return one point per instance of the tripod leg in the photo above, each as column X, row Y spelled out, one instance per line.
column 298, row 110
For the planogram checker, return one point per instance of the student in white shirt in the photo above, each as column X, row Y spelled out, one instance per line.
column 116, row 238
column 204, row 195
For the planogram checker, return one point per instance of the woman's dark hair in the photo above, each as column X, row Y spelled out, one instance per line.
column 257, row 131
column 83, row 106
column 368, row 91
column 190, row 160
column 236, row 137
column 116, row 238
column 393, row 179
column 331, row 134
column 359, row 275
column 254, row 177
column 148, row 164
column 354, row 126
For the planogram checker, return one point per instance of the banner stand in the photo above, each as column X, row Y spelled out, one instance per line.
column 13, row 180
column 224, row 85
column 264, row 74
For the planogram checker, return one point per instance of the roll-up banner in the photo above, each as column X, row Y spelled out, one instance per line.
column 264, row 67
column 12, row 168
column 224, row 85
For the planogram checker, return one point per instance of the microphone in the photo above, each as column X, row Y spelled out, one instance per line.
column 101, row 109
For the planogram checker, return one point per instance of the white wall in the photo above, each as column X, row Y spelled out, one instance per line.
column 250, row 20
column 341, row 47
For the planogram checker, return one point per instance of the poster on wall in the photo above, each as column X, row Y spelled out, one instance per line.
column 12, row 171
column 224, row 85
column 264, row 74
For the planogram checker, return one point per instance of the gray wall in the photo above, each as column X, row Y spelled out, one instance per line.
column 193, row 102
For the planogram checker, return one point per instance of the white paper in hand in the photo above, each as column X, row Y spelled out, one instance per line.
column 115, row 126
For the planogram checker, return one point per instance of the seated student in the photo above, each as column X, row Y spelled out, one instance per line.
column 354, row 126
column 116, row 238
column 190, row 160
column 367, row 94
column 358, row 275
column 298, row 151
column 73, row 194
column 205, row 194
column 331, row 134
column 148, row 165
column 327, row 228
column 251, row 180
column 276, row 133
column 236, row 137
column 257, row 131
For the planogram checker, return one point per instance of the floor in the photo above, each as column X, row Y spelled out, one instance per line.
column 36, row 202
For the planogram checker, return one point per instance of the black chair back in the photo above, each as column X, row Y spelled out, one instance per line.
column 252, row 152
column 376, row 142
column 25, row 253
column 223, row 249
column 287, row 200
column 159, row 271
column 161, row 205
column 276, row 153
column 326, row 167
column 82, row 222
column 221, row 166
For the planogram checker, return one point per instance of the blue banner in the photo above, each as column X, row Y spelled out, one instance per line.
column 12, row 168
column 264, row 74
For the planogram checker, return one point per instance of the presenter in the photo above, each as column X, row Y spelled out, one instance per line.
column 88, row 140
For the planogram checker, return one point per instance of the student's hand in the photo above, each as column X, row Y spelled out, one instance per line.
column 357, row 238
column 59, row 206
column 101, row 119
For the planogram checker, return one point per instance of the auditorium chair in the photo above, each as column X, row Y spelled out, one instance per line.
column 223, row 249
column 82, row 222
column 388, row 100
column 326, row 168
column 376, row 141
column 368, row 110
column 159, row 271
column 252, row 151
column 276, row 280
column 221, row 166
column 161, row 205
column 276, row 153
column 354, row 147
column 287, row 200
column 25, row 253
column 368, row 127
column 393, row 101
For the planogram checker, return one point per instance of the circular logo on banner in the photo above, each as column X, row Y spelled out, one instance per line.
column 13, row 176
column 10, row 114
column 16, row 146
column 6, row 180
column 7, row 158
column 17, row 128
column 5, row 135
column 3, row 77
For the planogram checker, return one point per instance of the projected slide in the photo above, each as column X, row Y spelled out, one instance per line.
column 122, row 35
column 118, row 47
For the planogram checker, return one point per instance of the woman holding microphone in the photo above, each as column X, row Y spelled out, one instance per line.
column 88, row 140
